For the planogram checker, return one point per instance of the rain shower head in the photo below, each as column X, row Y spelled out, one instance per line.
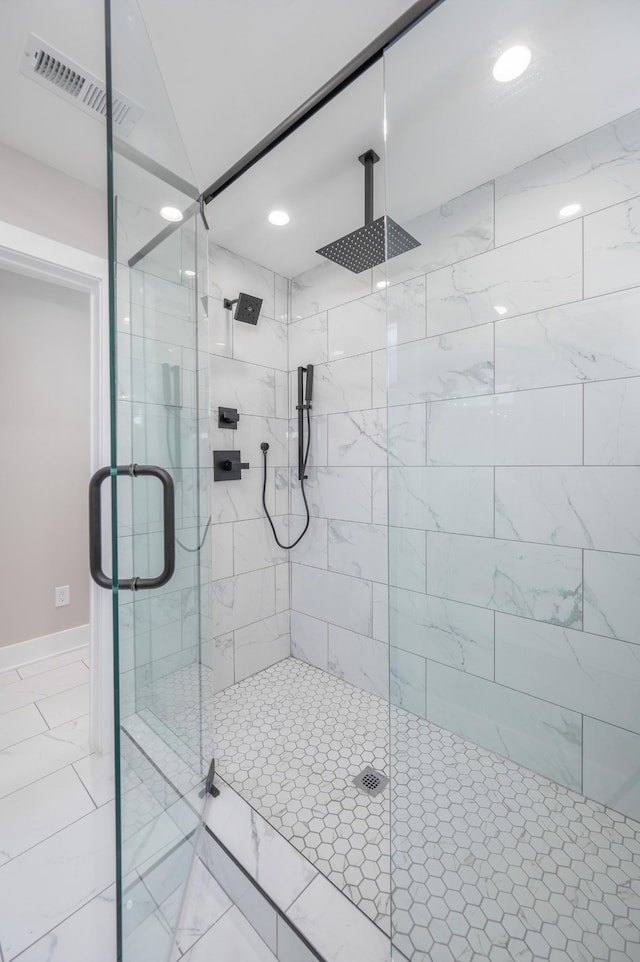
column 248, row 308
column 377, row 241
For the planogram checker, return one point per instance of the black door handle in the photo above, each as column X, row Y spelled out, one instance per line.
column 95, row 526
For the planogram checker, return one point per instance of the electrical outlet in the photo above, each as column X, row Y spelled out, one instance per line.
column 63, row 596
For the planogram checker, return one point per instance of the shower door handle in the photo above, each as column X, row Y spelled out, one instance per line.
column 95, row 526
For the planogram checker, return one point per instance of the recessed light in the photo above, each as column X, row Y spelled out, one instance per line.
column 172, row 214
column 278, row 218
column 189, row 273
column 499, row 309
column 511, row 64
column 382, row 284
column 570, row 210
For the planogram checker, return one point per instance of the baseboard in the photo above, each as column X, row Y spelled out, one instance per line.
column 34, row 649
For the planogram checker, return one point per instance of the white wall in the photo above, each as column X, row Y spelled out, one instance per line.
column 44, row 425
column 48, row 202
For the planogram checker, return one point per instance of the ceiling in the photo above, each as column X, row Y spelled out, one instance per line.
column 450, row 126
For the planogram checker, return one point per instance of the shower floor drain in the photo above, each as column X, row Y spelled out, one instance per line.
column 370, row 781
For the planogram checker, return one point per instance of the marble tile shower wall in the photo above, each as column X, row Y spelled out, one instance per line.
column 246, row 625
column 514, row 466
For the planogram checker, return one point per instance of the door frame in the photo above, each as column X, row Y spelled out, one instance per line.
column 25, row 252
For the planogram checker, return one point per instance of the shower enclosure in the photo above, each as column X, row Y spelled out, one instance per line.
column 461, row 615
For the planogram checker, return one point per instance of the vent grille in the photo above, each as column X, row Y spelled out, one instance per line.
column 52, row 69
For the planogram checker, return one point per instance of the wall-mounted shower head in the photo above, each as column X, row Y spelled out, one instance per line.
column 247, row 308
column 377, row 241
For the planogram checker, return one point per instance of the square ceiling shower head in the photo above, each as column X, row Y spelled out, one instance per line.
column 368, row 247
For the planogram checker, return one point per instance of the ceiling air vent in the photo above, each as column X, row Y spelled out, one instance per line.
column 53, row 70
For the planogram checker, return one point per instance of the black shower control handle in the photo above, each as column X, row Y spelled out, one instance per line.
column 230, row 465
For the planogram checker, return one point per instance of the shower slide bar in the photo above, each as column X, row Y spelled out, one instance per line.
column 95, row 526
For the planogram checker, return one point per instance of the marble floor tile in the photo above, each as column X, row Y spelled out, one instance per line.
column 38, row 811
column 89, row 935
column 43, row 754
column 19, row 724
column 65, row 706
column 8, row 677
column 98, row 776
column 230, row 940
column 56, row 661
column 29, row 690
column 42, row 887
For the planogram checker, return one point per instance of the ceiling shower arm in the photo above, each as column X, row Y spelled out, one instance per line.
column 368, row 159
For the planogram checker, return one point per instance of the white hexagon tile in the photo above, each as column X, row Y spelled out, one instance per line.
column 489, row 861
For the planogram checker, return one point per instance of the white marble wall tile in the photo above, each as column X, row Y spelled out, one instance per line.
column 534, row 733
column 612, row 249
column 43, row 886
column 254, row 545
column 282, row 394
column 407, row 434
column 242, row 600
column 380, row 612
column 407, row 681
column 391, row 316
column 595, row 171
column 325, row 286
column 460, row 228
column 358, row 438
column 264, row 342
column 611, row 773
column 359, row 549
column 309, row 640
column 457, row 635
column 281, row 298
column 341, row 493
column 158, row 295
column 535, row 581
column 528, row 275
column 308, row 341
column 531, row 427
column 242, row 500
column 312, row 550
column 611, row 595
column 583, row 507
column 217, row 655
column 360, row 660
column 408, row 559
column 449, row 366
column 221, row 536
column 248, row 387
column 584, row 672
column 318, row 448
column 379, row 496
column 379, row 378
column 220, row 328
column 262, row 644
column 283, row 594
column 442, row 499
column 327, row 595
column 229, row 274
column 339, row 386
column 587, row 341
column 611, row 418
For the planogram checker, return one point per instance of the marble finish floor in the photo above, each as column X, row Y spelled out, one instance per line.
column 490, row 861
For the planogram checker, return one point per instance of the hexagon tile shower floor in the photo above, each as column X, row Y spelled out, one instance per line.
column 488, row 860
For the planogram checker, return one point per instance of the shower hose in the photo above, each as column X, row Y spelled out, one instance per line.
column 264, row 448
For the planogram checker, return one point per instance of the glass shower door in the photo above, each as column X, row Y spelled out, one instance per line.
column 158, row 260
column 513, row 156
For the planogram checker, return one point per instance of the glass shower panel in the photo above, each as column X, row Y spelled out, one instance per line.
column 160, row 271
column 514, row 532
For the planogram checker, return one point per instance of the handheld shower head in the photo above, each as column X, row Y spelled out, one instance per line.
column 308, row 391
